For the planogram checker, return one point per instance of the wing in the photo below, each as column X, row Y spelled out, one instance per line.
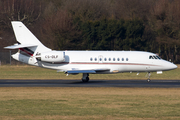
column 87, row 71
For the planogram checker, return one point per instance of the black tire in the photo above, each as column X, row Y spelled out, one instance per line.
column 85, row 80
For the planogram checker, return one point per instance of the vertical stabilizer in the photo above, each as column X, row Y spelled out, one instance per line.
column 25, row 37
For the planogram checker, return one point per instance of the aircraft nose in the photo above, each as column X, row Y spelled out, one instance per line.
column 168, row 65
column 172, row 66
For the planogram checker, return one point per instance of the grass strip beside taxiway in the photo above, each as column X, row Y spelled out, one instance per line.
column 89, row 103
column 31, row 72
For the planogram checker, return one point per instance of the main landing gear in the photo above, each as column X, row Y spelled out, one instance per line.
column 85, row 77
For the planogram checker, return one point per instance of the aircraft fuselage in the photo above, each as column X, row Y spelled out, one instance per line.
column 115, row 61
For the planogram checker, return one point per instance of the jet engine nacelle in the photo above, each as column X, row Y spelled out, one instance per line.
column 53, row 56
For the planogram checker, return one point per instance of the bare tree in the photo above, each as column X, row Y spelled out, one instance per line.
column 26, row 11
column 88, row 9
column 55, row 25
column 130, row 9
column 165, row 21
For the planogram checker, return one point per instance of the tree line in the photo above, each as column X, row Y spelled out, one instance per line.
column 143, row 25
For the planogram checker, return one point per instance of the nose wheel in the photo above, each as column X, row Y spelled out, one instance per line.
column 85, row 77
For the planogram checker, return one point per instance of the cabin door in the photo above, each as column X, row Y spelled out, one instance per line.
column 100, row 59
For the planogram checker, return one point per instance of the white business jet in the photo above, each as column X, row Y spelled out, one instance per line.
column 33, row 52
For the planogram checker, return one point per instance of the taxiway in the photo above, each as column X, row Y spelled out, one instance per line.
column 91, row 83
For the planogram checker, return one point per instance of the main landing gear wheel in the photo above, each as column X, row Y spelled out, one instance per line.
column 85, row 77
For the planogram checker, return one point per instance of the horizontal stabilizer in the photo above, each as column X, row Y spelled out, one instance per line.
column 19, row 46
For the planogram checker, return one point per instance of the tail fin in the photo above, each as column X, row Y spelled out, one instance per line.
column 26, row 39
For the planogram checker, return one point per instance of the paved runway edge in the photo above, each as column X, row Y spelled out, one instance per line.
column 91, row 83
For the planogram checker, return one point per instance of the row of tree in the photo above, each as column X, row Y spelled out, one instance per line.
column 146, row 25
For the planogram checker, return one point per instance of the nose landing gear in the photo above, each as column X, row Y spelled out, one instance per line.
column 148, row 76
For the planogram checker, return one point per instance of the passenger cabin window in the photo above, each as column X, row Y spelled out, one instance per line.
column 91, row 59
column 100, row 59
column 127, row 59
column 105, row 59
column 122, row 59
column 109, row 59
column 118, row 59
column 114, row 59
column 95, row 59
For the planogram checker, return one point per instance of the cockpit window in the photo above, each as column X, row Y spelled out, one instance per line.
column 154, row 57
column 151, row 57
column 158, row 57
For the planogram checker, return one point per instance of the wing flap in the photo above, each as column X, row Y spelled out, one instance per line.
column 86, row 71
column 102, row 70
column 80, row 71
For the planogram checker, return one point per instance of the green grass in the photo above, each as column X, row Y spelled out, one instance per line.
column 90, row 103
column 31, row 72
column 86, row 103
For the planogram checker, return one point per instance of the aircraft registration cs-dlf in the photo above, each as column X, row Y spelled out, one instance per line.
column 33, row 52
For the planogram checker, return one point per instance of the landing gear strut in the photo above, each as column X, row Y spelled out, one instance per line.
column 149, row 74
column 85, row 77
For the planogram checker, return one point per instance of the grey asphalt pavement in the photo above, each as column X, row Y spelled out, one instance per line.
column 91, row 83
